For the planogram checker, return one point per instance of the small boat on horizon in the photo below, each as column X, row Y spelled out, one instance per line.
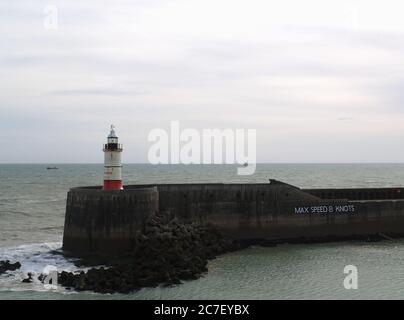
column 51, row 168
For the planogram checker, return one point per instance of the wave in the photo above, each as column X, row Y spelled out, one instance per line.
column 34, row 258
column 6, row 212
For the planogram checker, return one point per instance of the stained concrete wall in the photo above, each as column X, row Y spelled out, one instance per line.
column 107, row 221
column 239, row 210
column 267, row 211
column 358, row 193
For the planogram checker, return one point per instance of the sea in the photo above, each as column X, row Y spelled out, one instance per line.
column 32, row 208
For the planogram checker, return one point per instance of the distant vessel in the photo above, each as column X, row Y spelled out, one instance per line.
column 51, row 168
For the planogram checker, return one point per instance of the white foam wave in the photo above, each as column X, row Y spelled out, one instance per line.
column 33, row 258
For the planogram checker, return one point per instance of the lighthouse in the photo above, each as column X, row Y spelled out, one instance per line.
column 112, row 162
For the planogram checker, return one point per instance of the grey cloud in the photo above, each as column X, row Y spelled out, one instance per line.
column 96, row 92
column 102, row 66
column 375, row 39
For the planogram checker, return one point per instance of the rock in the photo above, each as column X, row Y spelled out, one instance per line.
column 29, row 279
column 7, row 266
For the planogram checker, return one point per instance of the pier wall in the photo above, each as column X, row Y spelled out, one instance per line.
column 107, row 221
column 358, row 193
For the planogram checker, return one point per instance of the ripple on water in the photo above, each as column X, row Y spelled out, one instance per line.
column 283, row 272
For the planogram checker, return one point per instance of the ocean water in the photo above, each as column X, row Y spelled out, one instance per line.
column 32, row 206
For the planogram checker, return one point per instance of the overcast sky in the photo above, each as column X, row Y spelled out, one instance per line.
column 320, row 81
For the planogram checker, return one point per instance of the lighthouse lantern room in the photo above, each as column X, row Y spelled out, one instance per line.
column 112, row 162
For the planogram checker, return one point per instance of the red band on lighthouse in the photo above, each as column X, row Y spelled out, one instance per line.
column 113, row 185
column 112, row 163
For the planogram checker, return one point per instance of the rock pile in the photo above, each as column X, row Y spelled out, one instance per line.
column 166, row 253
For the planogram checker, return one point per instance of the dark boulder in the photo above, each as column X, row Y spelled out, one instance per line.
column 29, row 279
column 7, row 266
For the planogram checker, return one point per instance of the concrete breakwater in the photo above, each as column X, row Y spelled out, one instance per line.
column 108, row 222
column 99, row 221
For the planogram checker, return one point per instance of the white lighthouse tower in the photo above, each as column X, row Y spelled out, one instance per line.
column 112, row 162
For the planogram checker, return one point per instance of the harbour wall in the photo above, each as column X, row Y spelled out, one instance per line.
column 99, row 221
column 102, row 221
column 359, row 193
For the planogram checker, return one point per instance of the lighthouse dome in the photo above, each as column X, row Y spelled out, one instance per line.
column 112, row 134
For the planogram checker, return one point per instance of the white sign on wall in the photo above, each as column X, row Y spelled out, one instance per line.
column 335, row 208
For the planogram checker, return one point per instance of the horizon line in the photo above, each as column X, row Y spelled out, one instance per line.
column 194, row 164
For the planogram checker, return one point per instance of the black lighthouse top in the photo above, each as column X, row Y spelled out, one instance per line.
column 112, row 141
